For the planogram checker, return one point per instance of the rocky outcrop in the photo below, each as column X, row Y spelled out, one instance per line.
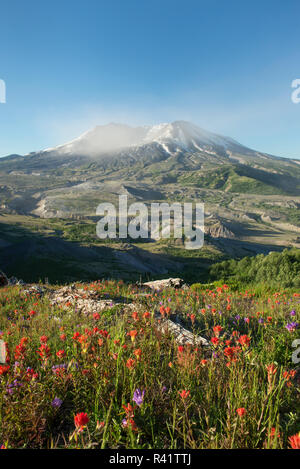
column 181, row 335
column 84, row 301
column 219, row 230
column 89, row 301
column 157, row 285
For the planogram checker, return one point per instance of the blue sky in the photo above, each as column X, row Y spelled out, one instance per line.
column 225, row 65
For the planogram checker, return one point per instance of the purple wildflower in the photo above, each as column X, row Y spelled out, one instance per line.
column 292, row 326
column 56, row 403
column 12, row 387
column 57, row 367
column 138, row 396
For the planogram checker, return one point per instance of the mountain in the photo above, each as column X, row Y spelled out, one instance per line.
column 175, row 137
column 251, row 198
column 181, row 146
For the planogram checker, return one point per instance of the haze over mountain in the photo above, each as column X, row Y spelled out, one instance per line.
column 176, row 136
column 120, row 144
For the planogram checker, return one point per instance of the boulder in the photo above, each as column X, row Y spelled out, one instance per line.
column 181, row 335
column 157, row 285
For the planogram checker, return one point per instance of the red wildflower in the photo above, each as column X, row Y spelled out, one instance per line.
column 241, row 411
column 31, row 374
column 129, row 410
column 44, row 339
column 133, row 425
column 132, row 334
column 229, row 352
column 217, row 330
column 44, row 351
column 244, row 340
column 130, row 363
column 215, row 340
column 4, row 369
column 81, row 420
column 184, row 394
column 288, row 375
column 273, row 433
column 295, row 441
column 60, row 353
column 272, row 370
column 138, row 353
column 135, row 315
column 21, row 349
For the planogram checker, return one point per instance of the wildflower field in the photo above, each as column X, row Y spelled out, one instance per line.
column 112, row 380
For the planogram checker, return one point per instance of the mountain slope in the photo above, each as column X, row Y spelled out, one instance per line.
column 247, row 193
column 177, row 136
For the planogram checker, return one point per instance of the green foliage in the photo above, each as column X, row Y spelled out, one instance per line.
column 243, row 179
column 271, row 271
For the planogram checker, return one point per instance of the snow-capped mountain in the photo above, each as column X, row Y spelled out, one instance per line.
column 172, row 161
column 172, row 137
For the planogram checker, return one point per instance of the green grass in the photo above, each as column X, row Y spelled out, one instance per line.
column 231, row 178
column 101, row 371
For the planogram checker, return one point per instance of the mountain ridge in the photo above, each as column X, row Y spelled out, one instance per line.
column 115, row 136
